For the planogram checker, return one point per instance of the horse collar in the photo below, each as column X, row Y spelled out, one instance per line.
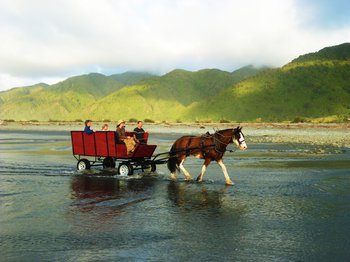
column 217, row 147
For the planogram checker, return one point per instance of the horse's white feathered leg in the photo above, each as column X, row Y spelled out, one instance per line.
column 224, row 170
column 186, row 174
column 204, row 168
column 173, row 176
column 200, row 177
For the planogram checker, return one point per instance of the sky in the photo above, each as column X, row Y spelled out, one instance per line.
column 49, row 41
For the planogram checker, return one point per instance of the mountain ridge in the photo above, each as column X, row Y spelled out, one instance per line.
column 314, row 85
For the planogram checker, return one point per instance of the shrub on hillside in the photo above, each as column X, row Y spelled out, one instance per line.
column 147, row 120
column 299, row 119
column 133, row 120
column 224, row 121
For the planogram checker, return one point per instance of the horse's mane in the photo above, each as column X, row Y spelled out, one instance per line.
column 223, row 131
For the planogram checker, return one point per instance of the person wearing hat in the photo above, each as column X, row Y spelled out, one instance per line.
column 122, row 138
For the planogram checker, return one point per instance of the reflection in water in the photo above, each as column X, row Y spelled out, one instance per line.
column 90, row 187
column 102, row 199
column 195, row 196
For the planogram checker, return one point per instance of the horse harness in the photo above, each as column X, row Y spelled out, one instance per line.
column 216, row 144
column 202, row 147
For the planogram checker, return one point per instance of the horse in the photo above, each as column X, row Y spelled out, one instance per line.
column 209, row 147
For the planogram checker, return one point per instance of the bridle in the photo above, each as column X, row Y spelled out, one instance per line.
column 241, row 139
column 217, row 141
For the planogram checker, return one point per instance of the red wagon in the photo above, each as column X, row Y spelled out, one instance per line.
column 102, row 148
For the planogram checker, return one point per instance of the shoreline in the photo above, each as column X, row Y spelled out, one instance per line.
column 336, row 135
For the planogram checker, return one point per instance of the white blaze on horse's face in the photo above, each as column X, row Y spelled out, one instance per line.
column 240, row 141
column 242, row 144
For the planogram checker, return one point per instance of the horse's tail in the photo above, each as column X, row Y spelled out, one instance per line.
column 172, row 161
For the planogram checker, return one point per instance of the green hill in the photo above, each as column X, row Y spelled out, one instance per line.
column 166, row 98
column 314, row 85
column 98, row 85
column 130, row 78
column 339, row 52
column 65, row 100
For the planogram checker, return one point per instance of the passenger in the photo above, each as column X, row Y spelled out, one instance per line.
column 104, row 127
column 138, row 133
column 87, row 129
column 121, row 137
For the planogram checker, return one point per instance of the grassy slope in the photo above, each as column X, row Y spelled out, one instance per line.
column 130, row 78
column 66, row 100
column 166, row 98
column 307, row 89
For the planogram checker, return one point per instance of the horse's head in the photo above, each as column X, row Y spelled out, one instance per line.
column 238, row 138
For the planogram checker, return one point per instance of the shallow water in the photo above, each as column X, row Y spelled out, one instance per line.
column 291, row 202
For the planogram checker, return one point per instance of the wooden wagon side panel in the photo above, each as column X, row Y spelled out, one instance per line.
column 144, row 139
column 77, row 143
column 121, row 151
column 112, row 149
column 89, row 144
column 101, row 144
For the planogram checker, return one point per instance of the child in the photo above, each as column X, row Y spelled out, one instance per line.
column 87, row 129
column 105, row 127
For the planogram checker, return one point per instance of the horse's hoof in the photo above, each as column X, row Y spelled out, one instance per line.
column 229, row 183
column 172, row 178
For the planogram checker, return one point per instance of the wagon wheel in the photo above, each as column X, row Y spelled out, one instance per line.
column 108, row 162
column 125, row 169
column 151, row 167
column 83, row 164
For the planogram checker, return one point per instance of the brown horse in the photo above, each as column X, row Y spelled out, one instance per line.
column 208, row 147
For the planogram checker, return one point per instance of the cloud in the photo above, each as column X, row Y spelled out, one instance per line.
column 53, row 40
